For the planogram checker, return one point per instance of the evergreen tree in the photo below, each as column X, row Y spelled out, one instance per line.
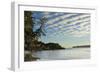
column 30, row 36
column 28, row 26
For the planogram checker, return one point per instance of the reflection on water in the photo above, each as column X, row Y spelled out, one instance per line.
column 73, row 53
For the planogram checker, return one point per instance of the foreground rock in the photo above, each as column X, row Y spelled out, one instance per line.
column 29, row 57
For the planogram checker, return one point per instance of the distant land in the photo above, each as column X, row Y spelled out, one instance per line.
column 81, row 46
column 38, row 46
column 48, row 46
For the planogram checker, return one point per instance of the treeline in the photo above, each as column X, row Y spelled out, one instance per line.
column 46, row 46
column 81, row 46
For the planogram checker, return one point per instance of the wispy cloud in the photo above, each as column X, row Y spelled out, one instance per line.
column 75, row 24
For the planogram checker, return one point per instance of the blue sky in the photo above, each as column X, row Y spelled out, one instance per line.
column 67, row 29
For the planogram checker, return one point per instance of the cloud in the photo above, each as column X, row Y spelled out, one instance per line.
column 75, row 24
column 66, row 21
column 59, row 18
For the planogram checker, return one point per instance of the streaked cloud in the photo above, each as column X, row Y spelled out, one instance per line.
column 75, row 24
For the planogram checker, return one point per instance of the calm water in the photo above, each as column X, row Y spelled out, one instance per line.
column 71, row 53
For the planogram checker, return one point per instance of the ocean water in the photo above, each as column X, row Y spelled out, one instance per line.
column 66, row 54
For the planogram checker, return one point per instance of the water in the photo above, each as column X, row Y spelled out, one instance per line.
column 66, row 54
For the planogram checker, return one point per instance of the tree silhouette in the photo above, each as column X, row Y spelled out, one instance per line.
column 28, row 24
column 30, row 36
column 40, row 31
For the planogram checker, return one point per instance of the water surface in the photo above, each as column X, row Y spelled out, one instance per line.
column 66, row 54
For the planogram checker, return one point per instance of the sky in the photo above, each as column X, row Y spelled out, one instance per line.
column 67, row 29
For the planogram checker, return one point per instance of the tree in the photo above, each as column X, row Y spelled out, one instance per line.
column 40, row 31
column 30, row 36
column 28, row 26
